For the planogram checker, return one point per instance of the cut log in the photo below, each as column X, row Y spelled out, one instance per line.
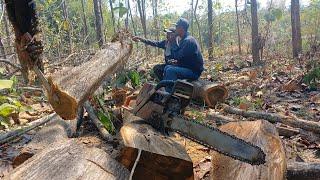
column 210, row 92
column 305, row 171
column 273, row 118
column 70, row 160
column 74, row 85
column 55, row 131
column 262, row 134
column 161, row 157
column 221, row 120
column 16, row 133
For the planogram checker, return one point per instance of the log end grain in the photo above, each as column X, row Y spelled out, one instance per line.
column 262, row 134
column 215, row 94
column 63, row 104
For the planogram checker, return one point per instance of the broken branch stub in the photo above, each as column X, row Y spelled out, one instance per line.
column 72, row 86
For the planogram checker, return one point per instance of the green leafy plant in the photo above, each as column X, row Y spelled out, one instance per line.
column 106, row 120
column 312, row 78
column 132, row 76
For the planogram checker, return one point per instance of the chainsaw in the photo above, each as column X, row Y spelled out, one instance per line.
column 164, row 111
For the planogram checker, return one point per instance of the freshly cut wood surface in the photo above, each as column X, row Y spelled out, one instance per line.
column 74, row 85
column 161, row 157
column 70, row 160
column 211, row 93
column 262, row 134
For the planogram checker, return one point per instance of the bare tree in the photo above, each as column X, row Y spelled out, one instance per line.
column 255, row 33
column 132, row 21
column 296, row 28
column 191, row 17
column 238, row 26
column 98, row 23
column 85, row 25
column 197, row 22
column 112, row 16
column 66, row 20
column 142, row 13
column 210, row 25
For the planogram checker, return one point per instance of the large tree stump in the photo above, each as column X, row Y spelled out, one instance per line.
column 262, row 134
column 74, row 85
column 161, row 157
column 211, row 93
column 70, row 160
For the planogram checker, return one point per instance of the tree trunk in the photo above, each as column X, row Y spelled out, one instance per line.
column 262, row 134
column 255, row 33
column 191, row 18
column 85, row 25
column 74, row 85
column 198, row 24
column 142, row 13
column 54, row 131
column 209, row 92
column 238, row 27
column 302, row 170
column 160, row 156
column 2, row 50
column 69, row 27
column 70, row 160
column 210, row 25
column 112, row 16
column 98, row 22
column 132, row 21
column 296, row 28
column 155, row 22
column 6, row 28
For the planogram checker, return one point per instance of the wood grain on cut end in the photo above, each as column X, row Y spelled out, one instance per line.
column 262, row 134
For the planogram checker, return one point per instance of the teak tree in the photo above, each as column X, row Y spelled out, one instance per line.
column 98, row 22
column 255, row 33
column 210, row 25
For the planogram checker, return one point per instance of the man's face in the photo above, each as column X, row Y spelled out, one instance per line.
column 179, row 30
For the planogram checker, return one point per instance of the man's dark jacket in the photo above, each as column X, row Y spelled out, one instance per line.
column 189, row 55
column 162, row 45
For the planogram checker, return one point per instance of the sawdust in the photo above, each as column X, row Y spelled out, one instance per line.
column 66, row 106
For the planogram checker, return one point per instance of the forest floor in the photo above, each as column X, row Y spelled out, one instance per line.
column 274, row 88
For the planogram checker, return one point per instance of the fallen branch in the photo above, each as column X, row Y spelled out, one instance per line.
column 10, row 63
column 16, row 133
column 272, row 117
column 301, row 170
column 102, row 130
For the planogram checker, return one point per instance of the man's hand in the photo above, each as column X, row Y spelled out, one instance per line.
column 172, row 62
column 136, row 38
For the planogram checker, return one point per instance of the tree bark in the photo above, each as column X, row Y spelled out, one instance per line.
column 210, row 25
column 85, row 25
column 238, row 27
column 70, row 160
column 211, row 93
column 57, row 130
column 302, row 170
column 98, row 22
column 262, row 134
column 255, row 33
column 198, row 24
column 296, row 28
column 74, row 85
column 69, row 30
column 273, row 118
column 161, row 157
column 2, row 50
column 142, row 13
column 112, row 16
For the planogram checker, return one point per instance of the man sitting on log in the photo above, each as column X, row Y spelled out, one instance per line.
column 188, row 61
column 169, row 45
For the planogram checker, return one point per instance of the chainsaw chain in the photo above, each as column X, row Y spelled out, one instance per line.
column 215, row 149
